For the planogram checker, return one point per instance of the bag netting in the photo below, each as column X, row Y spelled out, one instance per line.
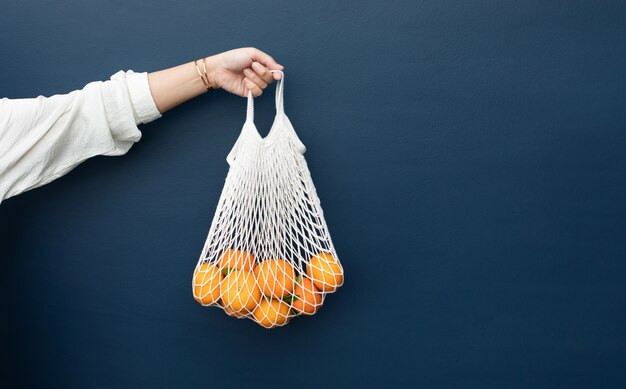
column 268, row 255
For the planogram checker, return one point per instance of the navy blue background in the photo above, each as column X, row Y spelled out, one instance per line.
column 471, row 162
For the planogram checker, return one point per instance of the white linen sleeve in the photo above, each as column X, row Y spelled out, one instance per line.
column 43, row 138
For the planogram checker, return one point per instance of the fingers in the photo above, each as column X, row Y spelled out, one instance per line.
column 254, row 88
column 266, row 60
column 258, row 76
column 263, row 72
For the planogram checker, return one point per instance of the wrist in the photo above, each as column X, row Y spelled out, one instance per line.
column 211, row 71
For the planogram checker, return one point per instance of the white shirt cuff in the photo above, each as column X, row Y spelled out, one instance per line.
column 144, row 107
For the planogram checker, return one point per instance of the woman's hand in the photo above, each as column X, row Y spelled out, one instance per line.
column 235, row 71
column 240, row 70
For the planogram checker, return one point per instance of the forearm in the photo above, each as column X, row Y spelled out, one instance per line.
column 173, row 86
column 43, row 138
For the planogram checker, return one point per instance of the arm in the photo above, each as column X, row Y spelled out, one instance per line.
column 43, row 138
column 235, row 71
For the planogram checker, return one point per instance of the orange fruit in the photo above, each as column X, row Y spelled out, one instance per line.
column 236, row 259
column 325, row 272
column 271, row 313
column 239, row 291
column 276, row 277
column 307, row 299
column 232, row 313
column 206, row 283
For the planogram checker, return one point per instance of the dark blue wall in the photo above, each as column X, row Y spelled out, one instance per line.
column 471, row 162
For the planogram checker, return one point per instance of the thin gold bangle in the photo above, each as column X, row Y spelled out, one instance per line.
column 200, row 74
column 206, row 84
column 205, row 74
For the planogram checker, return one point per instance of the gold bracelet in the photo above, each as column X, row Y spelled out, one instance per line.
column 206, row 82
column 205, row 74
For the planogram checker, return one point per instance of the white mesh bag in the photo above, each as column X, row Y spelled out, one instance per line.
column 268, row 255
